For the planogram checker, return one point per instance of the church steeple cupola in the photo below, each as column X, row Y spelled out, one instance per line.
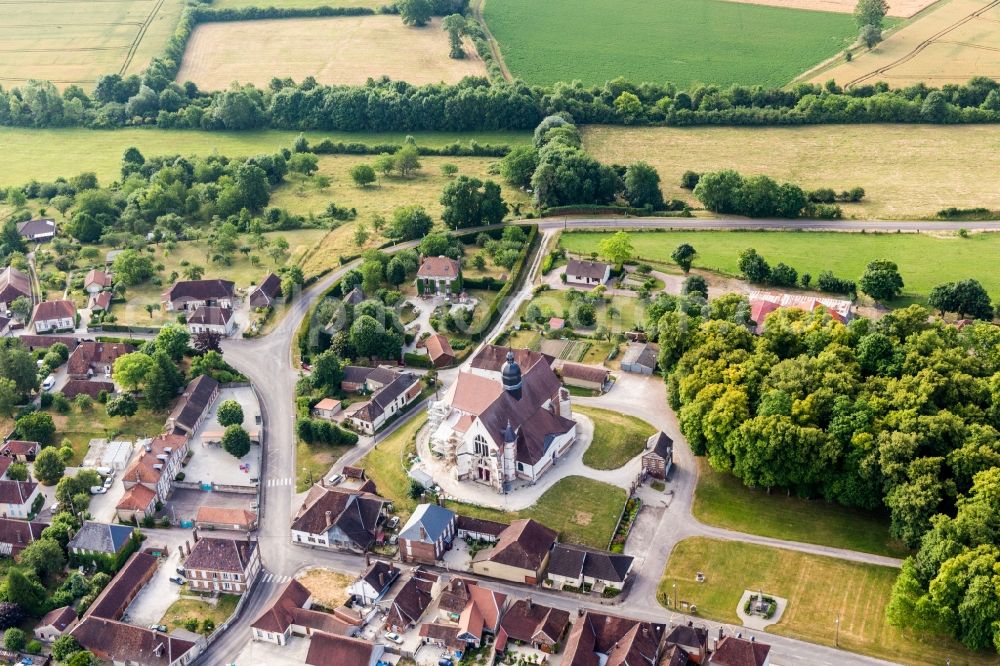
column 509, row 436
column 511, row 376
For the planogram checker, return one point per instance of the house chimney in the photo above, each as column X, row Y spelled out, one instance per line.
column 529, row 602
column 186, row 546
column 195, row 532
column 329, row 517
column 368, row 559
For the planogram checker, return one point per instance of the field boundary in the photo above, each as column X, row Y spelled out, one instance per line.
column 494, row 46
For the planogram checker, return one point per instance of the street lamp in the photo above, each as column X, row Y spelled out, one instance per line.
column 836, row 640
column 675, row 595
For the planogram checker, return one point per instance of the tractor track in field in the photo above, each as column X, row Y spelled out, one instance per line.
column 924, row 44
column 142, row 33
column 477, row 10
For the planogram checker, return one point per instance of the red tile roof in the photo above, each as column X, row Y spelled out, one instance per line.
column 523, row 545
column 329, row 650
column 438, row 267
column 137, row 498
column 48, row 310
column 219, row 515
column 279, row 616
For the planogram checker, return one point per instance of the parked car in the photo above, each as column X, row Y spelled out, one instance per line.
column 98, row 490
column 49, row 382
column 177, row 579
column 180, row 570
column 393, row 539
column 109, row 481
column 393, row 522
column 159, row 627
column 335, row 479
column 394, row 637
column 444, row 661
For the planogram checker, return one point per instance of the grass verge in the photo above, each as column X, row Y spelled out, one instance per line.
column 617, row 438
column 185, row 609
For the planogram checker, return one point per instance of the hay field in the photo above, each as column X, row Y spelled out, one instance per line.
column 897, row 8
column 297, row 4
column 344, row 49
column 818, row 589
column 74, row 42
column 950, row 44
column 907, row 170
column 682, row 41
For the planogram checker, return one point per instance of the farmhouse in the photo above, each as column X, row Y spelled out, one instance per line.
column 291, row 613
column 92, row 358
column 54, row 316
column 620, row 640
column 659, row 456
column 40, row 230
column 386, row 402
column 266, row 293
column 193, row 294
column 412, row 600
column 222, row 565
column 436, row 275
column 15, row 535
column 496, row 431
column 585, row 376
column 339, row 518
column 579, row 271
column 532, row 624
column 374, row 582
column 763, row 303
column 211, row 319
column 13, row 285
column 96, row 281
column 427, row 534
column 574, row 566
column 640, row 358
column 190, row 410
column 520, row 555
column 17, row 498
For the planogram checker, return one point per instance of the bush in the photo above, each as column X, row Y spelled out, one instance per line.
column 689, row 180
column 14, row 639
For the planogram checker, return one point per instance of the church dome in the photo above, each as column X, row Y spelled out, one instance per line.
column 511, row 373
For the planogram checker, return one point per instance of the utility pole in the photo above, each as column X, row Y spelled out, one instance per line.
column 675, row 596
column 836, row 640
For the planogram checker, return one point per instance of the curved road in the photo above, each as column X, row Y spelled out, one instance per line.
column 267, row 362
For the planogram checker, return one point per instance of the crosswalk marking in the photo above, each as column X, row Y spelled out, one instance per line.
column 275, row 578
column 273, row 483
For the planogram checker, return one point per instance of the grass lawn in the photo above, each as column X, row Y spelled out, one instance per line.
column 722, row 500
column 906, row 170
column 184, row 609
column 818, row 589
column 81, row 427
column 45, row 154
column 582, row 510
column 924, row 260
column 617, row 438
column 556, row 303
column 329, row 588
column 313, row 461
column 682, row 41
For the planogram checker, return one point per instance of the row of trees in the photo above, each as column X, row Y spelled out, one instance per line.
column 476, row 104
column 728, row 191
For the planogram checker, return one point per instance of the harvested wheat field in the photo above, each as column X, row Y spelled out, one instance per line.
column 951, row 44
column 70, row 42
column 907, row 170
column 344, row 49
column 897, row 8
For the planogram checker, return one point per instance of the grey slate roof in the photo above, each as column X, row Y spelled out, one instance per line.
column 661, row 445
column 595, row 270
column 641, row 353
column 434, row 519
column 573, row 561
column 101, row 537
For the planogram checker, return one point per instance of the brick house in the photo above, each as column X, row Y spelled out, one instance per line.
column 659, row 456
column 427, row 534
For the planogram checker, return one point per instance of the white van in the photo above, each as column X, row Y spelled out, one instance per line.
column 49, row 382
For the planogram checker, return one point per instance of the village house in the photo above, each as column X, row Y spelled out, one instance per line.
column 412, row 600
column 266, row 293
column 331, row 650
column 520, row 555
column 532, row 624
column 763, row 303
column 190, row 410
column 591, row 273
column 36, row 342
column 734, row 651
column 13, row 285
column 612, row 641
column 387, row 401
column 372, row 585
column 17, row 498
column 15, row 535
column 339, row 518
column 93, row 388
column 156, row 465
column 96, row 281
column 439, row 350
column 228, row 566
column 54, row 316
column 54, row 624
column 95, row 358
column 640, row 358
column 291, row 613
column 20, row 450
column 225, row 518
column 498, row 428
column 692, row 640
column 427, row 534
column 473, row 609
column 479, row 529
column 193, row 294
column 588, row 377
column 136, row 503
column 437, row 275
column 99, row 302
column 362, row 379
column 575, row 566
column 211, row 319
column 95, row 538
column 37, row 231
column 659, row 456
column 327, row 408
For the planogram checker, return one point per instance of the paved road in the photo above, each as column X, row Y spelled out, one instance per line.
column 731, row 223
column 267, row 362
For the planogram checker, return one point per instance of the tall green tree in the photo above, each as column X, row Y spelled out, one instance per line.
column 642, row 186
column 618, row 248
column 49, row 466
column 881, row 280
column 683, row 255
column 415, row 12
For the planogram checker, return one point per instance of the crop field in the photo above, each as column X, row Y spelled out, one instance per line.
column 924, row 260
column 343, row 49
column 951, row 44
column 897, row 8
column 682, row 41
column 45, row 154
column 297, row 4
column 819, row 591
column 75, row 41
column 907, row 170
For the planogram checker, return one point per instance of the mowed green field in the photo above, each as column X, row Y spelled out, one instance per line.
column 49, row 153
column 819, row 590
column 924, row 260
column 75, row 41
column 681, row 41
column 298, row 4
